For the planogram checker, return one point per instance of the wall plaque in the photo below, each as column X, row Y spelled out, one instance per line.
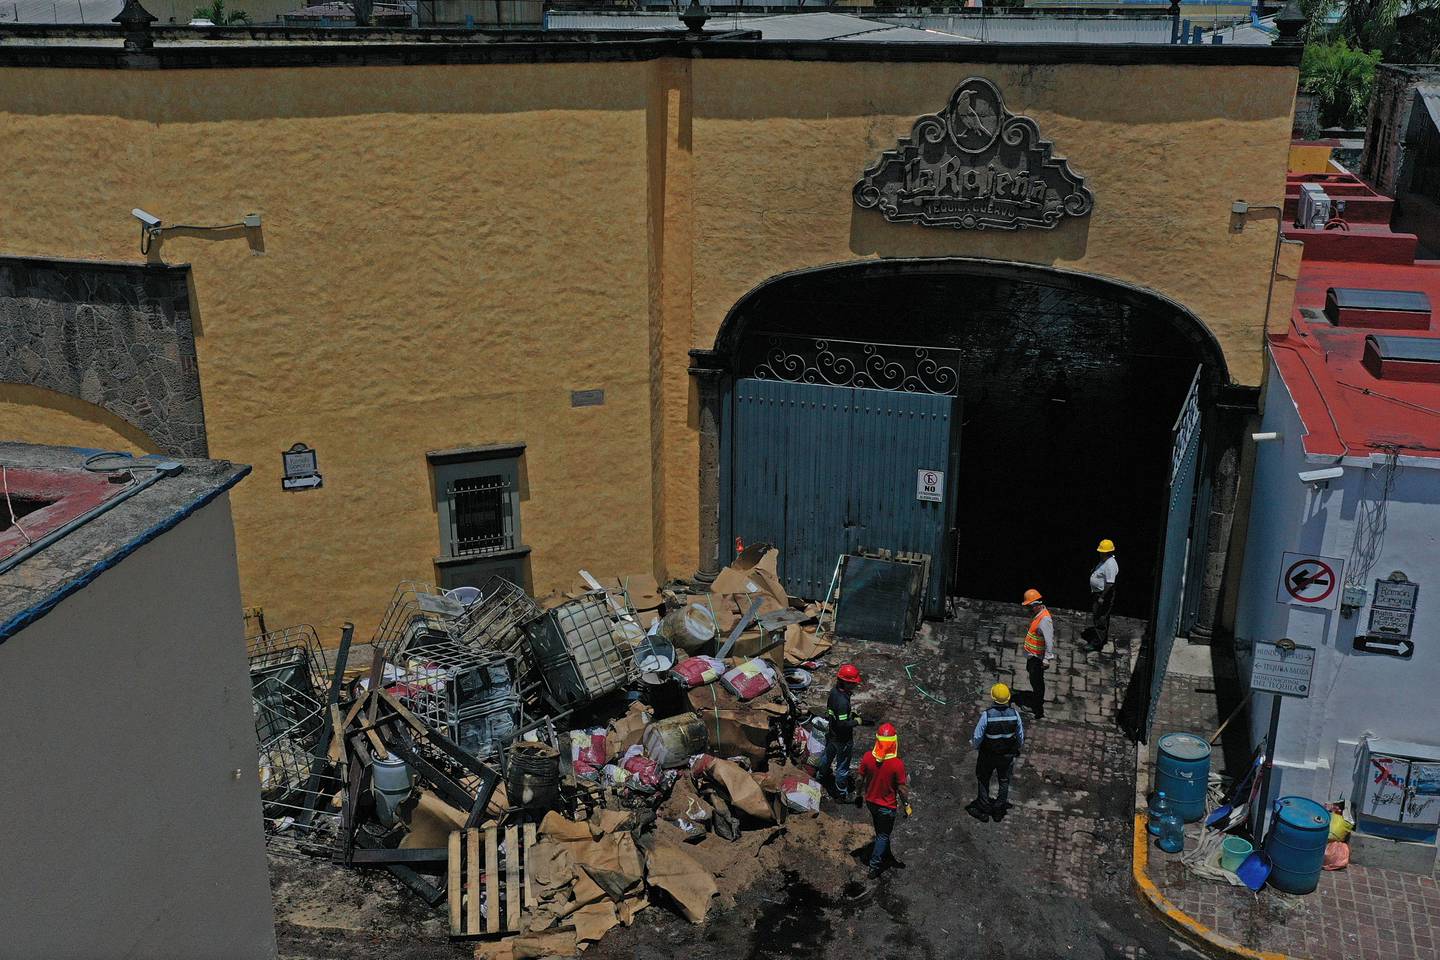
column 974, row 166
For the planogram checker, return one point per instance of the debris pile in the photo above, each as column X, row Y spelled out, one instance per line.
column 545, row 769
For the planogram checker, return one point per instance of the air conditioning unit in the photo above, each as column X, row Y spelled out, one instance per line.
column 1313, row 211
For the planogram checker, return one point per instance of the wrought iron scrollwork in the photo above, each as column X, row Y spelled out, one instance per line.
column 851, row 363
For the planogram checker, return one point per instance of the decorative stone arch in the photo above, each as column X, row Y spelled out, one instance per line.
column 119, row 336
column 733, row 329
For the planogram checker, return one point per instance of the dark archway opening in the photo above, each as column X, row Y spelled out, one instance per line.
column 1069, row 385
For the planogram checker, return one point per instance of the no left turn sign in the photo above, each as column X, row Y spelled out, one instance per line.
column 1310, row 581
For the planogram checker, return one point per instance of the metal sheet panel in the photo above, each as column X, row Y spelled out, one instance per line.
column 820, row 471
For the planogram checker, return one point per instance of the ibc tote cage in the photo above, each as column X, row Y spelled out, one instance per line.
column 288, row 673
column 421, row 614
column 472, row 696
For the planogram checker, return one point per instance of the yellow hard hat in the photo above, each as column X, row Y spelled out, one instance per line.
column 1106, row 546
column 1000, row 694
column 1031, row 596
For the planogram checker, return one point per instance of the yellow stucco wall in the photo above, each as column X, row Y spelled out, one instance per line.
column 448, row 251
column 1309, row 158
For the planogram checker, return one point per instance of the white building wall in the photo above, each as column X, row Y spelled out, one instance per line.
column 130, row 793
column 1353, row 694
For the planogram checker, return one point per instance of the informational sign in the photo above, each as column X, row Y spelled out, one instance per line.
column 1396, row 595
column 1391, row 623
column 1403, row 649
column 930, row 486
column 301, row 469
column 1310, row 581
column 587, row 398
column 1283, row 671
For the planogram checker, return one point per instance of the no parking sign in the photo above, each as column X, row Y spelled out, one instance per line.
column 1310, row 581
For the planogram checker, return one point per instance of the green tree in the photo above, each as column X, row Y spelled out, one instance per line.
column 1341, row 76
column 218, row 15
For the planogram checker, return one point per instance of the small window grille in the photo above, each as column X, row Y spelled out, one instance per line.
column 482, row 517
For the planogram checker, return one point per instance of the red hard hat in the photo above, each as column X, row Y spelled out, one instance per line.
column 849, row 673
column 885, row 730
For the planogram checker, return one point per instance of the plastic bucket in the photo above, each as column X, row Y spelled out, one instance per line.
column 390, row 783
column 690, row 628
column 1182, row 770
column 1296, row 844
column 1233, row 853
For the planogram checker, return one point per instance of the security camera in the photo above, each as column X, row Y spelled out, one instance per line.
column 148, row 220
column 1321, row 477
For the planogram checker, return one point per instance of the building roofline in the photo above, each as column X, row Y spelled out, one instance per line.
column 25, row 45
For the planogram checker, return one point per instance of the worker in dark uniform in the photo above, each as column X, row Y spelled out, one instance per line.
column 840, row 734
column 999, row 735
column 1102, row 594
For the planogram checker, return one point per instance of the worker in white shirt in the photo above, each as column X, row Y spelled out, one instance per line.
column 1102, row 594
column 1039, row 646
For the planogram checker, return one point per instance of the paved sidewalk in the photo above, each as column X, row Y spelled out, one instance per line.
column 1359, row 913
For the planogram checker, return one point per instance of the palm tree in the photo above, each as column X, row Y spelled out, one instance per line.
column 217, row 14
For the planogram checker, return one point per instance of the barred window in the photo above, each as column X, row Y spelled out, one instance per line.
column 481, row 515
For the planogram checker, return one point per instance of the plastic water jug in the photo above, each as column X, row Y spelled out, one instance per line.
column 1158, row 808
column 1172, row 833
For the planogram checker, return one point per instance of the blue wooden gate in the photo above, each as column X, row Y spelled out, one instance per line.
column 820, row 471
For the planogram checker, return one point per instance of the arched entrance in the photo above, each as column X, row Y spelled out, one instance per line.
column 1060, row 393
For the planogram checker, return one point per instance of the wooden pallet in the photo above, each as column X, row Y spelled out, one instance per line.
column 476, row 874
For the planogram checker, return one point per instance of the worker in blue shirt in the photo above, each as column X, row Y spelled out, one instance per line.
column 999, row 735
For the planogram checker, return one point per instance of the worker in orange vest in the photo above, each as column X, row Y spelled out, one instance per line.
column 886, row 790
column 1039, row 646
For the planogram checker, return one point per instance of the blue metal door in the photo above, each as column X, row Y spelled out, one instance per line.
column 820, row 471
column 1170, row 584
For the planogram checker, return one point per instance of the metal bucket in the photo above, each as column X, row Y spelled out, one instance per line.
column 690, row 628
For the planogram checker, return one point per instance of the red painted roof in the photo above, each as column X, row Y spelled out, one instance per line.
column 43, row 501
column 1346, row 409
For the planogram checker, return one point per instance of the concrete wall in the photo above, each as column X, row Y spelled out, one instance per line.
column 127, row 715
column 1354, row 694
column 448, row 251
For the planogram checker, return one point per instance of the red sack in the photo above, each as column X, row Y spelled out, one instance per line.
column 698, row 671
column 647, row 771
column 1337, row 855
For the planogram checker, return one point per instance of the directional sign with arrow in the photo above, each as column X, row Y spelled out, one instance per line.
column 1404, row 649
column 1310, row 581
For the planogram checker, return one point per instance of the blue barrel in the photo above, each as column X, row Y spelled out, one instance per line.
column 1296, row 844
column 1182, row 770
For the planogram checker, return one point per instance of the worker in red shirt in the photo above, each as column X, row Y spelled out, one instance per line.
column 885, row 789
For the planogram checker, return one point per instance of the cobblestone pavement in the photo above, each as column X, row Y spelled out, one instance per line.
column 1359, row 913
column 1051, row 880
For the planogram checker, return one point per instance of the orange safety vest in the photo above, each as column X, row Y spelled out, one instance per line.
column 1034, row 640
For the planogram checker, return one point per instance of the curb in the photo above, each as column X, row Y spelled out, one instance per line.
column 1189, row 929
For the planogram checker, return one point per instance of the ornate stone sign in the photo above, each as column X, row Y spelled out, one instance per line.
column 974, row 166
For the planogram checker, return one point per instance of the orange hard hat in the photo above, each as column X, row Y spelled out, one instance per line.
column 885, row 730
column 849, row 673
column 1031, row 596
